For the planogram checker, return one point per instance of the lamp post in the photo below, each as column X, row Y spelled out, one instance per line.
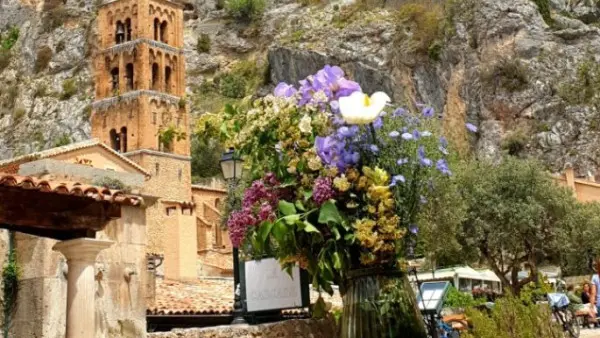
column 231, row 166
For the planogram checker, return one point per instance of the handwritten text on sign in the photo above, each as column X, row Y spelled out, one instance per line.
column 269, row 288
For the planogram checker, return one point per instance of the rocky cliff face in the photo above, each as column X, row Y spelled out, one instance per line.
column 524, row 72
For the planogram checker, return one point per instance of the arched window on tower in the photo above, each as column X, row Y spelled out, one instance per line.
column 156, row 28
column 163, row 31
column 168, row 79
column 124, row 139
column 129, row 76
column 114, row 73
column 128, row 29
column 154, row 76
column 120, row 32
column 115, row 143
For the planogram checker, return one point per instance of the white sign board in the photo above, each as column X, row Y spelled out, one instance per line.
column 268, row 287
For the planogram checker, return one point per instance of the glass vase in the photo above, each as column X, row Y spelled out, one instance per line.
column 380, row 303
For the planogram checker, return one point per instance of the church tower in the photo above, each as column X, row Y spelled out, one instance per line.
column 140, row 112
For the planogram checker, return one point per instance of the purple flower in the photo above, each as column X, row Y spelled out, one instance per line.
column 471, row 127
column 443, row 150
column 378, row 123
column 284, row 90
column 374, row 148
column 402, row 161
column 423, row 160
column 407, row 136
column 428, row 112
column 238, row 224
column 394, row 134
column 422, row 199
column 442, row 166
column 335, row 106
column 328, row 149
column 414, row 229
column 443, row 142
column 350, row 157
column 347, row 132
column 322, row 190
column 399, row 112
column 396, row 179
column 416, row 134
column 266, row 212
column 346, row 87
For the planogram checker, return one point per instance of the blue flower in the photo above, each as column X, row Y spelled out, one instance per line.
column 394, row 134
column 402, row 161
column 416, row 134
column 399, row 112
column 374, row 148
column 414, row 229
column 347, row 131
column 407, row 136
column 423, row 160
column 396, row 179
column 284, row 90
column 471, row 127
column 442, row 166
column 443, row 150
column 443, row 142
column 428, row 112
column 422, row 199
column 378, row 123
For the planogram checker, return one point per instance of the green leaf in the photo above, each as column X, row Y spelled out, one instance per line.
column 307, row 195
column 336, row 233
column 310, row 228
column 291, row 219
column 349, row 238
column 264, row 230
column 329, row 214
column 279, row 230
column 287, row 208
column 337, row 261
column 299, row 205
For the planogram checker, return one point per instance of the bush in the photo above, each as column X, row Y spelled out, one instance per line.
column 41, row 90
column 508, row 73
column 585, row 88
column 512, row 318
column 18, row 114
column 8, row 40
column 111, row 183
column 63, row 140
column 515, row 143
column 4, row 58
column 426, row 22
column 203, row 45
column 457, row 299
column 245, row 10
column 544, row 9
column 69, row 87
column 232, row 85
column 44, row 55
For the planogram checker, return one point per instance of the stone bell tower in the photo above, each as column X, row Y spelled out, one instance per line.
column 140, row 112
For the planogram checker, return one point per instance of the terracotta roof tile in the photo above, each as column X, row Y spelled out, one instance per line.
column 8, row 165
column 206, row 296
column 69, row 188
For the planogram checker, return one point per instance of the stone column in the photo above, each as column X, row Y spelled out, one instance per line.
column 81, row 256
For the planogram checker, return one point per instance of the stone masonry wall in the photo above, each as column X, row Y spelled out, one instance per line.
column 298, row 328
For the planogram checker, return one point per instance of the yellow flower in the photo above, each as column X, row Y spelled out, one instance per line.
column 359, row 108
column 314, row 163
column 304, row 124
column 352, row 174
column 332, row 171
column 362, row 183
column 292, row 166
column 367, row 258
column 341, row 183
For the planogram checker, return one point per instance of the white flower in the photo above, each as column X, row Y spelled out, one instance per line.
column 304, row 124
column 359, row 108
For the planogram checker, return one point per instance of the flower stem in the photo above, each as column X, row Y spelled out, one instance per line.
column 373, row 137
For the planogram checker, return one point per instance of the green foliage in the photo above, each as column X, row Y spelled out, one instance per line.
column 219, row 4
column 544, row 9
column 203, row 44
column 512, row 318
column 232, row 85
column 5, row 56
column 112, row 183
column 63, row 140
column 245, row 10
column 422, row 26
column 460, row 300
column 44, row 55
column 206, row 154
column 516, row 214
column 586, row 86
column 19, row 113
column 70, row 88
column 167, row 135
column 41, row 90
column 515, row 143
column 10, row 286
column 582, row 240
column 8, row 39
column 243, row 79
column 508, row 73
column 87, row 111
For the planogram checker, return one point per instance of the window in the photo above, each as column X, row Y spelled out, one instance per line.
column 115, row 79
column 154, row 118
column 168, row 79
column 154, row 76
column 115, row 142
column 120, row 32
column 124, row 139
column 171, row 211
column 163, row 31
column 129, row 76
column 128, row 29
column 156, row 29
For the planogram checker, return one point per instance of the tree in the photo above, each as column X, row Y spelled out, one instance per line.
column 581, row 240
column 516, row 216
column 206, row 154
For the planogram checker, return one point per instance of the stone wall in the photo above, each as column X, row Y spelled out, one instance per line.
column 298, row 328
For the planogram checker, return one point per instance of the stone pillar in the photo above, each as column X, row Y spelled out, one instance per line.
column 122, row 84
column 81, row 256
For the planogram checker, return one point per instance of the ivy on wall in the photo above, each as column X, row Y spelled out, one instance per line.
column 10, row 285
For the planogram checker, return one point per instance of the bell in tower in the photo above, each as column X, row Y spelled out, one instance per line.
column 120, row 35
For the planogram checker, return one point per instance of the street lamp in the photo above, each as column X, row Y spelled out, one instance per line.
column 232, row 167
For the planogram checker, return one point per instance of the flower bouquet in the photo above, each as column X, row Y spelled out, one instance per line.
column 337, row 178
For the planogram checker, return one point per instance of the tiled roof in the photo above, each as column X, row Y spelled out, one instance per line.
column 69, row 188
column 65, row 149
column 205, row 296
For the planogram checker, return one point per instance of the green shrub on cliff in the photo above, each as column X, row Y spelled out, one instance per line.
column 245, row 10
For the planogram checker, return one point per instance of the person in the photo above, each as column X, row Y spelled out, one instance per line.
column 586, row 301
column 595, row 295
column 585, row 294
